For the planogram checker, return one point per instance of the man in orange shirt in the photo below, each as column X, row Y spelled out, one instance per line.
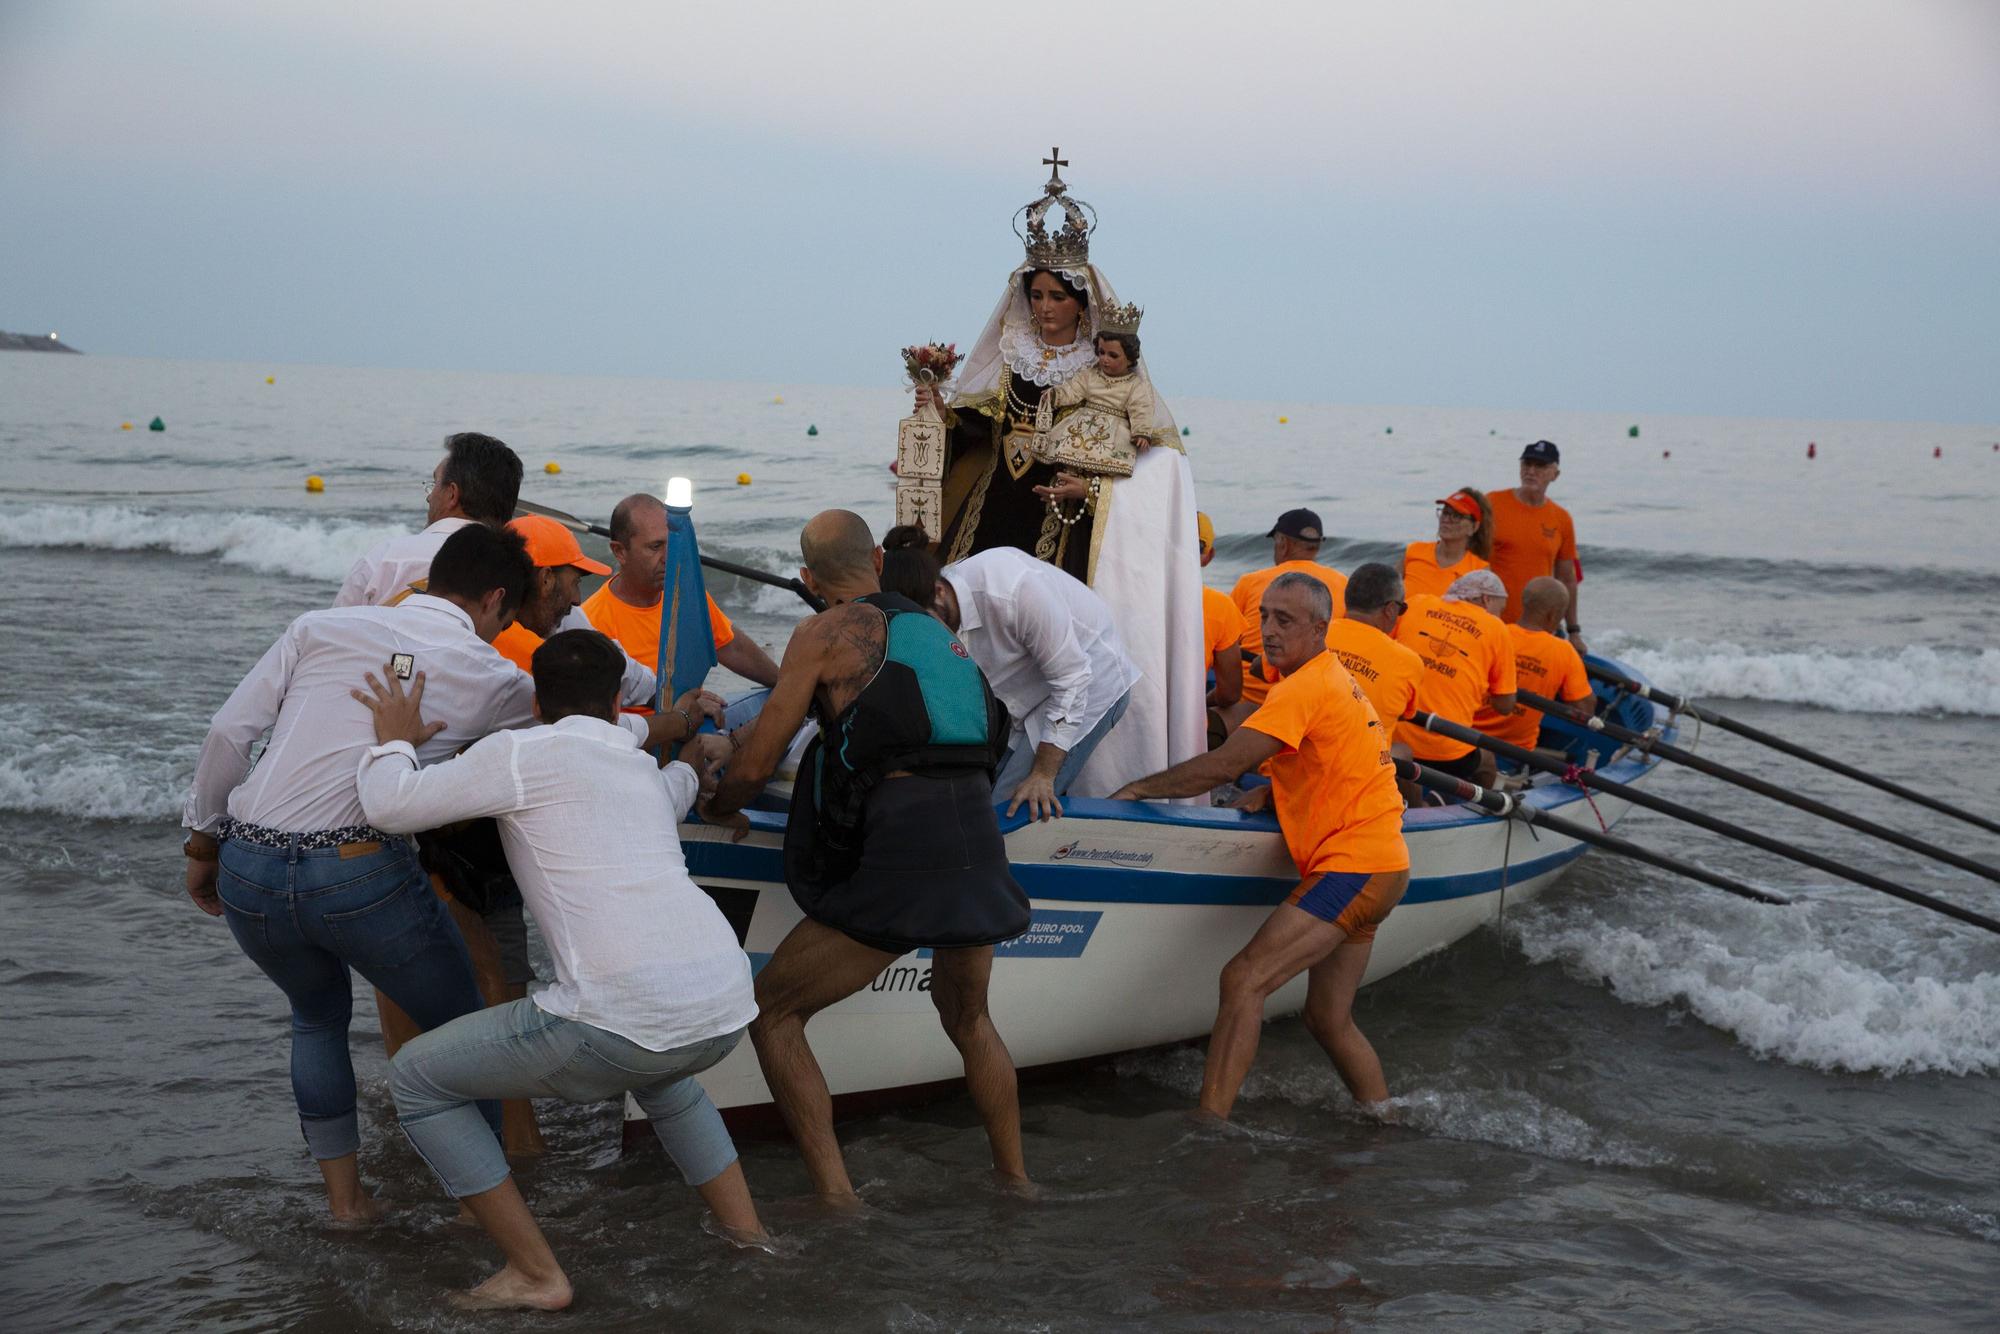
column 1468, row 663
column 1542, row 663
column 1334, row 785
column 1386, row 671
column 559, row 567
column 1295, row 542
column 1222, row 631
column 627, row 607
column 1534, row 536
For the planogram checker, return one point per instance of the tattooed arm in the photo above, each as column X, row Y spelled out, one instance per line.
column 832, row 656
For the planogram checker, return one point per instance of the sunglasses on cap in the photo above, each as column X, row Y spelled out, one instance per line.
column 1445, row 511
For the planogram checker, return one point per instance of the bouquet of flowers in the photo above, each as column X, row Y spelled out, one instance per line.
column 930, row 363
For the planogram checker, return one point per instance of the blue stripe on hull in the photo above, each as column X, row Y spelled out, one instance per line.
column 1114, row 884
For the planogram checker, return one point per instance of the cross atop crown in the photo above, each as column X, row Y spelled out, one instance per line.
column 1069, row 246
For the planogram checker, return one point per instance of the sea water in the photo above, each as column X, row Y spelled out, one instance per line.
column 1640, row 1102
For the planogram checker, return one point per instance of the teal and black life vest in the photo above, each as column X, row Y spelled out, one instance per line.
column 928, row 710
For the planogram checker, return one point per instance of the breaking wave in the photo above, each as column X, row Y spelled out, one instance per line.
column 302, row 548
column 1773, row 986
column 1913, row 679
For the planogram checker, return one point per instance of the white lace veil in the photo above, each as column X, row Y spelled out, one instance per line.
column 1009, row 337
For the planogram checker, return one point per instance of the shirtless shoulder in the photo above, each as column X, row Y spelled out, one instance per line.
column 844, row 646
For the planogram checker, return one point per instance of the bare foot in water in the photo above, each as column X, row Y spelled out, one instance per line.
column 512, row 1290
column 1021, row 1188
column 364, row 1211
column 743, row 1238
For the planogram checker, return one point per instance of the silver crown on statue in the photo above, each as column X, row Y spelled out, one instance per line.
column 1069, row 247
column 1119, row 319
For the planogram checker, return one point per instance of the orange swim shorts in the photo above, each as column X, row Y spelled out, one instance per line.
column 1354, row 901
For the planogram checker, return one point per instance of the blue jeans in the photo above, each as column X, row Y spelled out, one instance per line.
column 1021, row 758
column 306, row 916
column 519, row 1050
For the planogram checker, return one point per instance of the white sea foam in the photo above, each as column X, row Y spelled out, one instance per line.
column 1911, row 679
column 55, row 777
column 1509, row 1118
column 303, row 548
column 1778, row 989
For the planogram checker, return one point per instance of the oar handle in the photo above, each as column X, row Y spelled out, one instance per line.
column 1680, row 705
column 1638, row 797
column 1750, row 782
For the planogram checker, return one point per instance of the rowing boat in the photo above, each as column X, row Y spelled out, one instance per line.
column 1137, row 906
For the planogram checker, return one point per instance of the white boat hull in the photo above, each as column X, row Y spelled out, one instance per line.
column 1136, row 910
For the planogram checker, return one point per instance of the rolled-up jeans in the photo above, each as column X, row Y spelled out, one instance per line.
column 1020, row 757
column 519, row 1050
column 306, row 916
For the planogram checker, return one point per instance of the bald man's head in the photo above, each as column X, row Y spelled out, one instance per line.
column 632, row 511
column 839, row 551
column 1545, row 596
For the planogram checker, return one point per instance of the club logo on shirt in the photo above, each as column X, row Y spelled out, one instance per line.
column 959, row 649
column 404, row 665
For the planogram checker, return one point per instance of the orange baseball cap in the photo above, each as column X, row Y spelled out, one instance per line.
column 1204, row 528
column 551, row 544
column 1463, row 502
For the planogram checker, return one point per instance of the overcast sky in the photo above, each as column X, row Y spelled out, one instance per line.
column 1786, row 208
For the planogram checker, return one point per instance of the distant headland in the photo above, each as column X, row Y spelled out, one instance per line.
column 13, row 342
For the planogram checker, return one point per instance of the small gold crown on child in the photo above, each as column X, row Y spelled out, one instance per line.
column 1120, row 319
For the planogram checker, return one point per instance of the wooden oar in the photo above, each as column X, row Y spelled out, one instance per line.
column 574, row 524
column 1640, row 797
column 1499, row 803
column 1681, row 705
column 1666, row 750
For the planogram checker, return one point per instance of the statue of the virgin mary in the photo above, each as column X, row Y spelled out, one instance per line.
column 1132, row 539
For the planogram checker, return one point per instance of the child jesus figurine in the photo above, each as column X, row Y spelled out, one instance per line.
column 1113, row 399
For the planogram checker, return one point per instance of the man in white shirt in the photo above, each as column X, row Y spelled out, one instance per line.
column 651, row 986
column 1051, row 653
column 477, row 481
column 284, row 851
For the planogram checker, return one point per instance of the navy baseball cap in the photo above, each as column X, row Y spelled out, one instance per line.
column 1542, row 451
column 1302, row 524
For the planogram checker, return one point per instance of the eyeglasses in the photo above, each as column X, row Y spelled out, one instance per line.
column 430, row 485
column 1398, row 603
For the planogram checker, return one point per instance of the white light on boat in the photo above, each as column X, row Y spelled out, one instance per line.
column 680, row 493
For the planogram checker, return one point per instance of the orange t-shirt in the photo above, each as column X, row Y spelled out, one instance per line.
column 1467, row 656
column 1546, row 665
column 1422, row 573
column 1333, row 786
column 1248, row 595
column 1221, row 623
column 517, row 644
column 637, row 629
column 1527, row 543
column 1386, row 671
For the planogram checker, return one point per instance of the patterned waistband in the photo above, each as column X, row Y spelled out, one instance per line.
column 318, row 838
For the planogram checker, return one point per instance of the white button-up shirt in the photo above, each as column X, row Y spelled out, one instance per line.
column 590, row 825
column 299, row 692
column 392, row 566
column 1046, row 643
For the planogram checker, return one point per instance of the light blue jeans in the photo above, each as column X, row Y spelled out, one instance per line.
column 519, row 1050
column 1021, row 757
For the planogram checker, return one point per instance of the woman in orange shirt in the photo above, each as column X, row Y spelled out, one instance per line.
column 1464, row 544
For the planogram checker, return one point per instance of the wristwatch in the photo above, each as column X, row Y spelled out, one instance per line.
column 210, row 854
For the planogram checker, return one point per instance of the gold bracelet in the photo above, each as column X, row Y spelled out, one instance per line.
column 687, row 718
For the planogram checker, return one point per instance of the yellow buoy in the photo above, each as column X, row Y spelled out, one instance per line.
column 124, row 426
column 742, row 479
column 552, row 467
column 315, row 484
column 777, row 398
column 1283, row 420
column 270, row 379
